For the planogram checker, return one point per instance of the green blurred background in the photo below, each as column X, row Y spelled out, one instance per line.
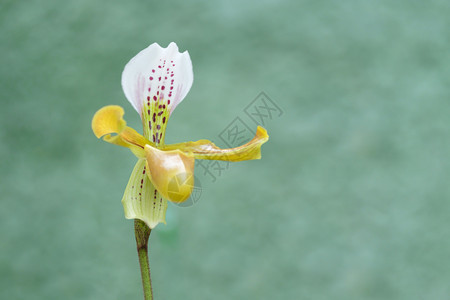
column 350, row 199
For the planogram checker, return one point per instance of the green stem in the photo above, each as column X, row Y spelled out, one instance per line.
column 142, row 233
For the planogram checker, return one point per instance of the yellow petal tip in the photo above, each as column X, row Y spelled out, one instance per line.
column 107, row 120
column 108, row 123
column 261, row 133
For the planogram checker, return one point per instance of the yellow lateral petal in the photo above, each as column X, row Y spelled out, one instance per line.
column 172, row 173
column 109, row 120
column 204, row 149
column 141, row 200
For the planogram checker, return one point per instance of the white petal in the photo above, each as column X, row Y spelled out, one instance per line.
column 141, row 200
column 157, row 74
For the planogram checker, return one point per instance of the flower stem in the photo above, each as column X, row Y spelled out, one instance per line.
column 142, row 233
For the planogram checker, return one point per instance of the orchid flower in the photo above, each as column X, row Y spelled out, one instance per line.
column 155, row 81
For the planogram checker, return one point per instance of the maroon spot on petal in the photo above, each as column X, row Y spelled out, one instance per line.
column 159, row 78
column 148, row 97
column 171, row 75
column 157, row 92
column 158, row 127
column 171, row 88
column 151, row 78
column 163, row 88
column 149, row 89
column 150, row 124
column 160, row 113
column 154, row 98
column 142, row 181
column 153, row 71
column 168, row 101
column 164, row 120
column 154, row 117
column 154, row 138
column 148, row 111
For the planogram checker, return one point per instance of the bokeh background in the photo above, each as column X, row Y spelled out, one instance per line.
column 350, row 200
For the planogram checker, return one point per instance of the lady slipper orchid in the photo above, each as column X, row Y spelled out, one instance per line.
column 155, row 81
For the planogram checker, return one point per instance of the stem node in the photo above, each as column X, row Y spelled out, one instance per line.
column 142, row 233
